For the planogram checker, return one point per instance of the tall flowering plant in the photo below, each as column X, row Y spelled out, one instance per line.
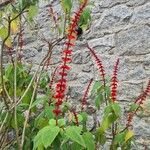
column 110, row 124
column 34, row 114
column 66, row 58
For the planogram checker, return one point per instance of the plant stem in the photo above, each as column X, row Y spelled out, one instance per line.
column 1, row 64
column 33, row 94
column 15, row 100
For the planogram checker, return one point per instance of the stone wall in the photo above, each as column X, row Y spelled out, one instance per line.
column 119, row 28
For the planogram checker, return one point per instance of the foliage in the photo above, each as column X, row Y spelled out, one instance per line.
column 49, row 121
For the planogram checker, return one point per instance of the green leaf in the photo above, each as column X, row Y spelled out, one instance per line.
column 74, row 133
column 80, row 118
column 129, row 135
column 89, row 141
column 119, row 138
column 52, row 122
column 76, row 146
column 96, row 86
column 42, row 122
column 46, row 136
column 39, row 100
column 107, row 110
column 133, row 107
column 107, row 91
column 20, row 120
column 66, row 5
column 33, row 10
column 117, row 109
column 49, row 111
column 107, row 122
column 98, row 101
column 84, row 116
column 101, row 138
column 3, row 32
column 61, row 122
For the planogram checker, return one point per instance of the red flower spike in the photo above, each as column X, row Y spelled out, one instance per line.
column 53, row 77
column 69, row 52
column 99, row 64
column 62, row 90
column 61, row 85
column 69, row 44
column 76, row 118
column 59, row 96
column 114, row 82
column 65, row 67
column 58, row 103
column 63, row 74
column 57, row 112
column 62, row 80
column 72, row 31
column 84, row 100
column 66, row 59
column 140, row 100
column 143, row 96
column 71, row 37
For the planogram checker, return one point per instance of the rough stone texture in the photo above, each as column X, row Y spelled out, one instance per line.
column 119, row 28
column 133, row 41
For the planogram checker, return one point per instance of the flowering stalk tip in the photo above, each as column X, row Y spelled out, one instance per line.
column 61, row 86
column 114, row 82
column 139, row 101
column 84, row 100
column 99, row 64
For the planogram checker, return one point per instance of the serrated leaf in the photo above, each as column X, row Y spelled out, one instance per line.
column 46, row 136
column 73, row 133
column 89, row 141
column 129, row 135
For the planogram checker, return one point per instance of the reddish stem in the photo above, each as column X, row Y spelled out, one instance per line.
column 84, row 100
column 114, row 82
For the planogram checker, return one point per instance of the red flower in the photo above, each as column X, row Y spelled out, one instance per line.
column 53, row 77
column 57, row 112
column 140, row 100
column 69, row 52
column 75, row 117
column 84, row 100
column 99, row 64
column 114, row 82
column 142, row 97
column 66, row 58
